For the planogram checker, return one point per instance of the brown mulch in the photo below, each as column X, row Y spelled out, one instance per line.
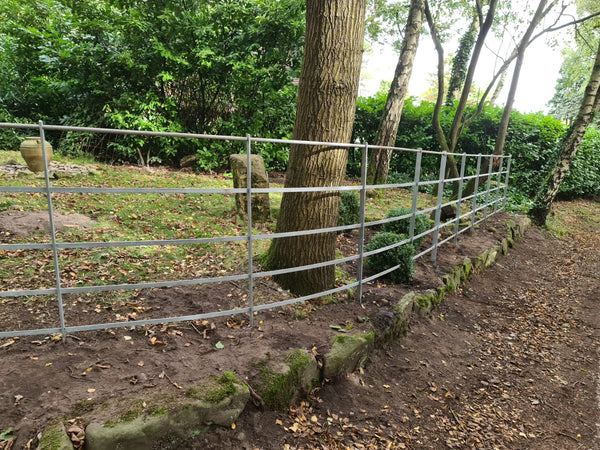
column 508, row 361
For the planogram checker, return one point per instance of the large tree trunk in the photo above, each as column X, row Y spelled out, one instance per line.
column 379, row 161
column 326, row 105
column 590, row 106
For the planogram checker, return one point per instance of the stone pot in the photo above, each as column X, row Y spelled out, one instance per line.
column 31, row 151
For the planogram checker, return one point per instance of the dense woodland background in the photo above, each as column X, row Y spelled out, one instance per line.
column 231, row 67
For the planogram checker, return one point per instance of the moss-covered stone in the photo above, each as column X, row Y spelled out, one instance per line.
column 467, row 266
column 492, row 255
column 217, row 390
column 347, row 353
column 55, row 438
column 219, row 401
column 283, row 379
column 510, row 241
column 452, row 280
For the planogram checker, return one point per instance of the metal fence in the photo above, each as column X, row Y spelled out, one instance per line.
column 489, row 173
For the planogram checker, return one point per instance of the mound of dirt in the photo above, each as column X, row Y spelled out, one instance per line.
column 24, row 223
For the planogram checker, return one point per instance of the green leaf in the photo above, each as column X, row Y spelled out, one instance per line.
column 219, row 345
column 6, row 435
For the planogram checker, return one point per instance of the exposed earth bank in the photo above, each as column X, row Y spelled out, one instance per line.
column 508, row 361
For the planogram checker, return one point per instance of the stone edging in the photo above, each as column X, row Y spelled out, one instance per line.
column 277, row 383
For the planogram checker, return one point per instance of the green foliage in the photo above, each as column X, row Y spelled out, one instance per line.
column 10, row 138
column 401, row 255
column 197, row 66
column 349, row 209
column 533, row 141
column 583, row 177
column 402, row 226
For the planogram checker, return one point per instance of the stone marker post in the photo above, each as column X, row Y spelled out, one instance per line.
column 260, row 202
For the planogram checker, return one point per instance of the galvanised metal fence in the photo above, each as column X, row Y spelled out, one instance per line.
column 490, row 176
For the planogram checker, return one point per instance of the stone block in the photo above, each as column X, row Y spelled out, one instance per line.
column 283, row 379
column 347, row 353
column 55, row 437
column 261, row 209
column 219, row 401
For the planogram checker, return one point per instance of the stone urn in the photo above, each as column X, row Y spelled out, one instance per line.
column 31, row 151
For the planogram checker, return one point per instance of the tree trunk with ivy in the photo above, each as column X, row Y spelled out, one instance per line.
column 590, row 106
column 449, row 141
column 379, row 160
column 325, row 112
column 460, row 61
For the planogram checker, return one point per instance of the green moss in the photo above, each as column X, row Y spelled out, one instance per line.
column 54, row 437
column 217, row 391
column 279, row 389
column 158, row 411
column 84, row 406
column 51, row 440
column 128, row 416
column 424, row 301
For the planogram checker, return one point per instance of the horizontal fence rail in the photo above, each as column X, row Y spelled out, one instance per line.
column 490, row 178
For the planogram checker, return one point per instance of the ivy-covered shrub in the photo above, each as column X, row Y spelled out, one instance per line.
column 349, row 209
column 402, row 226
column 583, row 177
column 401, row 255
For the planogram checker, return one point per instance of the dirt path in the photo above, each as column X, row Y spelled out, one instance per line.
column 509, row 361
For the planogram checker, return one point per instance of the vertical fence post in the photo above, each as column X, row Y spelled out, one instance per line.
column 498, row 195
column 487, row 188
column 475, row 190
column 61, row 312
column 438, row 206
column 506, row 182
column 249, row 215
column 361, row 230
column 415, row 194
column 463, row 163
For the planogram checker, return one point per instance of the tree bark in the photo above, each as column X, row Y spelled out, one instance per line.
column 590, row 106
column 460, row 61
column 522, row 46
column 379, row 160
column 540, row 12
column 448, row 142
column 325, row 112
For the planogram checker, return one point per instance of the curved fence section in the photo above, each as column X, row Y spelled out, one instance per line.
column 487, row 174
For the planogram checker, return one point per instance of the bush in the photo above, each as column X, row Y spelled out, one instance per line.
column 401, row 255
column 349, row 209
column 402, row 226
column 583, row 178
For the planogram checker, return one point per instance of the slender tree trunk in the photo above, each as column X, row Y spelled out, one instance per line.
column 448, row 142
column 590, row 106
column 540, row 12
column 498, row 89
column 379, row 161
column 326, row 105
column 525, row 40
column 460, row 61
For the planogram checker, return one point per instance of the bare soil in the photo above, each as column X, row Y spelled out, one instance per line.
column 508, row 361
